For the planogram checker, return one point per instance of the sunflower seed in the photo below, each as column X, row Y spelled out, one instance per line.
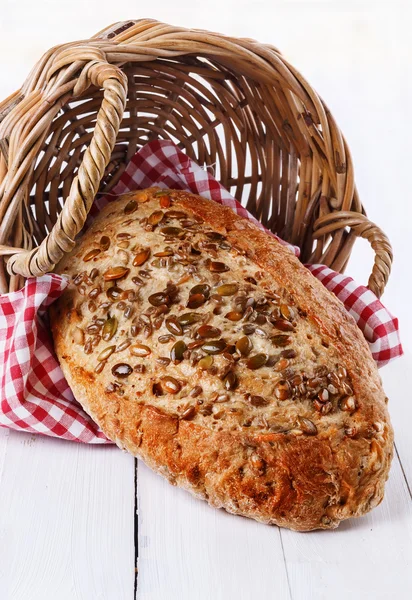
column 257, row 361
column 115, row 273
column 141, row 257
column 139, row 350
column 188, row 414
column 349, row 404
column 91, row 254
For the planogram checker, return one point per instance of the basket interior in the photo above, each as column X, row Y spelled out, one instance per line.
column 220, row 118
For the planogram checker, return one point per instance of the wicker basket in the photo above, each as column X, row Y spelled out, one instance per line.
column 233, row 105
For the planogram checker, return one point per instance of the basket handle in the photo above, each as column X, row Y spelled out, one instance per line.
column 364, row 228
column 85, row 185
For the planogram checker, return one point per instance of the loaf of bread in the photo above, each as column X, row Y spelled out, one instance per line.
column 200, row 344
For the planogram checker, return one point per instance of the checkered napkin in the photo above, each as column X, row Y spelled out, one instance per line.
column 35, row 397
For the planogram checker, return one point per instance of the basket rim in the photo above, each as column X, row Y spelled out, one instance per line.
column 67, row 71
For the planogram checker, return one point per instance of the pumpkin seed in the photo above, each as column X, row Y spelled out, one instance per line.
column 189, row 318
column 130, row 207
column 139, row 350
column 170, row 384
column 177, row 351
column 171, row 231
column 282, row 390
column 141, row 196
column 196, row 300
column 215, row 236
column 286, row 312
column 122, row 370
column 290, row 353
column 283, row 325
column 116, row 273
column 155, row 217
column 141, row 257
column 104, row 355
column 214, row 347
column 227, row 289
column 201, row 288
column 206, row 362
column 105, row 242
column 244, row 346
column 158, row 299
column 233, row 315
column 217, row 267
column 173, row 325
column 109, row 329
column 257, row 361
column 207, row 331
column 176, row 214
column 164, row 201
column 91, row 254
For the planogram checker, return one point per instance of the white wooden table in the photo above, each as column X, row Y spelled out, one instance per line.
column 80, row 522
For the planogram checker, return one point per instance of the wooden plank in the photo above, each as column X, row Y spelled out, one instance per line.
column 400, row 407
column 188, row 550
column 364, row 558
column 66, row 520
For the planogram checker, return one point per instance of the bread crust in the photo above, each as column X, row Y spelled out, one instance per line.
column 307, row 481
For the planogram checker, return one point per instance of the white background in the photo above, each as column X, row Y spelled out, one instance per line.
column 67, row 511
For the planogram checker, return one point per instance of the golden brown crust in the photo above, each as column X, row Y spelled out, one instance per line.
column 302, row 482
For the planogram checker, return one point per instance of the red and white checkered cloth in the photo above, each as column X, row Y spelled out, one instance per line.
column 34, row 395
